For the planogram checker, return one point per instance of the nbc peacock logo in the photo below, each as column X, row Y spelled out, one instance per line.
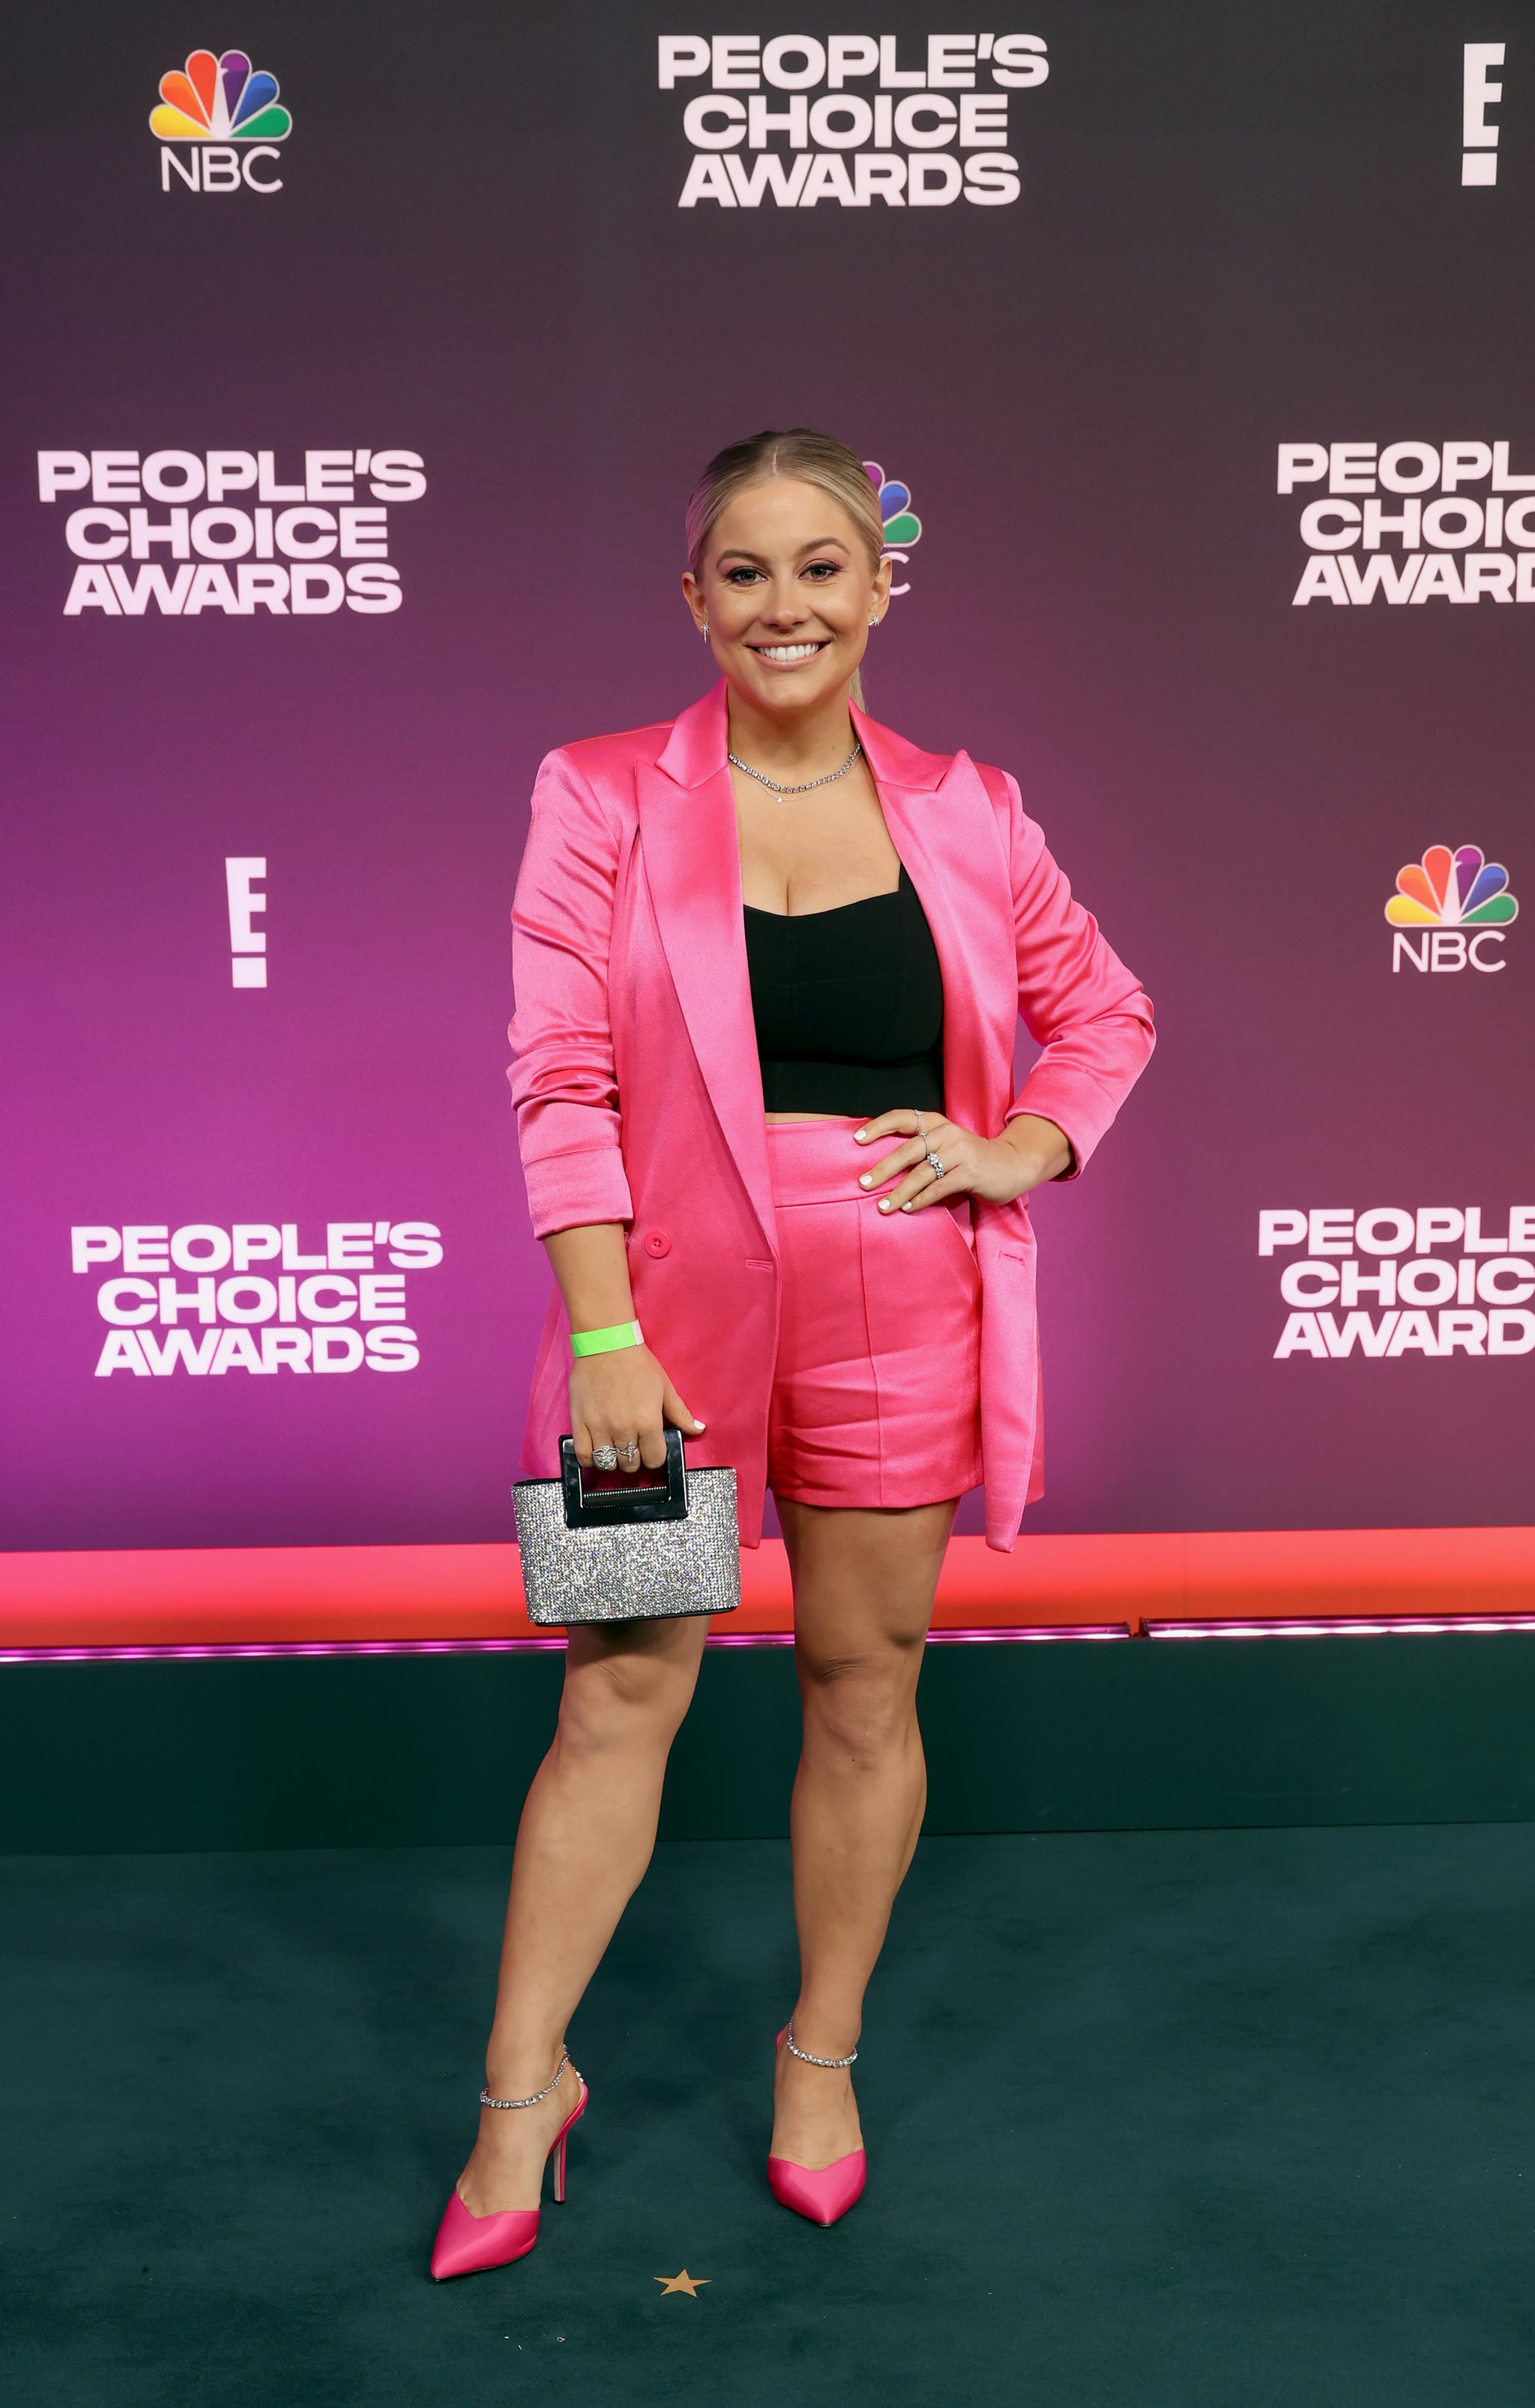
column 902, row 527
column 228, row 114
column 1458, row 903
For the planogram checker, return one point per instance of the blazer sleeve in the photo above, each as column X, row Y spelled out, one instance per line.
column 563, row 1081
column 1077, row 999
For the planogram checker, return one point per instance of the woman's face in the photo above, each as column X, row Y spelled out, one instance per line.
column 788, row 594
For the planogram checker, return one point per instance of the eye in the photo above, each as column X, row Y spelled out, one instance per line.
column 823, row 571
column 742, row 576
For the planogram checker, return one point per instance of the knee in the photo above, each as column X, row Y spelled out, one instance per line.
column 863, row 1705
column 625, row 1701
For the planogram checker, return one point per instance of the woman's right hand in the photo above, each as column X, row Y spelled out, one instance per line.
column 623, row 1399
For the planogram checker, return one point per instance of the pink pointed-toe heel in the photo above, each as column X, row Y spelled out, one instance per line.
column 822, row 2194
column 468, row 2243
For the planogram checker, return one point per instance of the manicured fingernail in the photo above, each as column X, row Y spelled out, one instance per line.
column 860, row 1136
column 906, row 1207
column 884, row 1203
column 698, row 1426
column 866, row 1179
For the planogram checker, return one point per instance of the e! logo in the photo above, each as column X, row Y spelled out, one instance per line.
column 247, row 945
column 1479, row 159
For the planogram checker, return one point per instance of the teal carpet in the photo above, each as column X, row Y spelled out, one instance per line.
column 1234, row 2119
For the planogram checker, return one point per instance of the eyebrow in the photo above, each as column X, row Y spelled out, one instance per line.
column 821, row 544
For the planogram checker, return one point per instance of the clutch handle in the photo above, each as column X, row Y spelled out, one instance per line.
column 636, row 1500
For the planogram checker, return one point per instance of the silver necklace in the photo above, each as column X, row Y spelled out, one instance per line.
column 774, row 788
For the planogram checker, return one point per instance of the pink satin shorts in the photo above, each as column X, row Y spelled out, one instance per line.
column 877, row 1386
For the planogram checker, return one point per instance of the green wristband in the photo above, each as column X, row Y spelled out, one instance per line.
column 606, row 1341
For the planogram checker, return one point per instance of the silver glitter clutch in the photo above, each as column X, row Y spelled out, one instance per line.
column 615, row 1550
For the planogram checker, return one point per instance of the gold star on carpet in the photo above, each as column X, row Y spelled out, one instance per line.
column 691, row 2284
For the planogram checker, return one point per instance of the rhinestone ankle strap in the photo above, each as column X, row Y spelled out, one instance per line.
column 486, row 2100
column 832, row 2063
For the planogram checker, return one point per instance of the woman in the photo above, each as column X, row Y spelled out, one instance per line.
column 769, row 960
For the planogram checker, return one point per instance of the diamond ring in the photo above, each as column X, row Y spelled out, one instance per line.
column 604, row 1458
column 935, row 1165
column 630, row 1454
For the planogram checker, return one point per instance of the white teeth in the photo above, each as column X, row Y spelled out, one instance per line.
column 788, row 651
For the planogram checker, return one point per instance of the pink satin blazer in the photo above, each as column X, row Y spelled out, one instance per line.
column 635, row 1079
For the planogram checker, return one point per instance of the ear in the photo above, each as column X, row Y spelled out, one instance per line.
column 693, row 596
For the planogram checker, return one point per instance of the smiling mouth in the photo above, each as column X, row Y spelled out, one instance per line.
column 789, row 656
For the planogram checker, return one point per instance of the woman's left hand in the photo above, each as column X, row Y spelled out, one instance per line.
column 1029, row 1150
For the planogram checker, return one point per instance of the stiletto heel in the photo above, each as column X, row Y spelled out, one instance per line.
column 822, row 2194
column 467, row 2243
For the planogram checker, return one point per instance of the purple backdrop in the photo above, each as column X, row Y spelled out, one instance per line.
column 1228, row 239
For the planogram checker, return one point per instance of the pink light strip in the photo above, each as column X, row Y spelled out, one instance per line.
column 284, row 1649
column 1029, row 1632
column 1337, row 1626
column 987, row 1636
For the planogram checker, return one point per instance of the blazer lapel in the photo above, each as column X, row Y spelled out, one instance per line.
column 692, row 857
column 945, row 829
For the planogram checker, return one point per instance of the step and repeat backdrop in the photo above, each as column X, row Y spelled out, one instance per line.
column 359, row 362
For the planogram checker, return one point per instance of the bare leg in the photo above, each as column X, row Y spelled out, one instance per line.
column 583, row 1842
column 864, row 1585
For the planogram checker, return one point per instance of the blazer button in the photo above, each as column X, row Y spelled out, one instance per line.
column 658, row 1241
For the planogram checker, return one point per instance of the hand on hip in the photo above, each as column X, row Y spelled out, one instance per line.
column 940, row 1160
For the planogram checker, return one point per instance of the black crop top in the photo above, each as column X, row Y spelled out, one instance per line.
column 849, row 1005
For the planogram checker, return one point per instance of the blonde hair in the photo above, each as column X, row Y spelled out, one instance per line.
column 799, row 452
